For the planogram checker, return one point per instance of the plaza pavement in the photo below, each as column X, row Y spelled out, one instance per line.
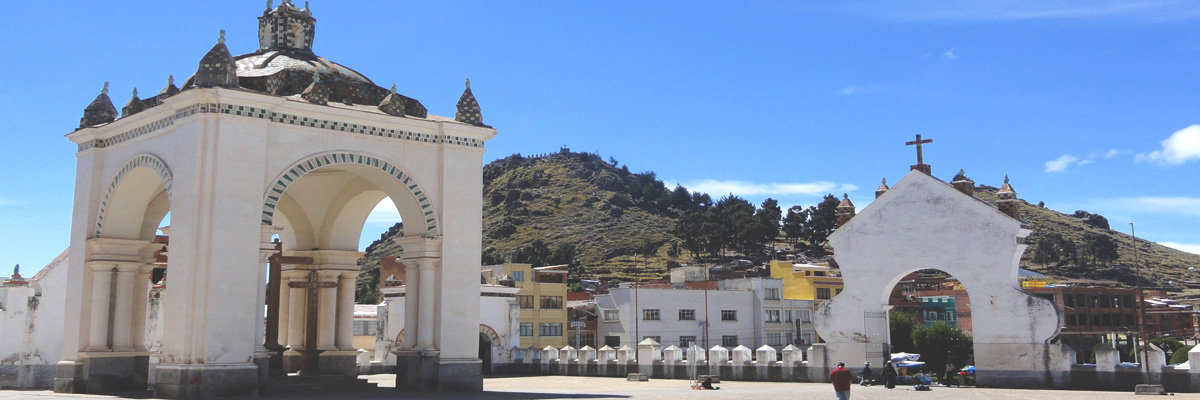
column 567, row 387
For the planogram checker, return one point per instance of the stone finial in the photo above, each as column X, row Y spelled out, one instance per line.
column 305, row 5
column 134, row 105
column 104, row 90
column 963, row 184
column 99, row 111
column 170, row 89
column 217, row 68
column 883, row 188
column 845, row 210
column 1007, row 202
column 393, row 104
column 468, row 108
column 15, row 279
column 317, row 92
column 17, row 270
column 270, row 4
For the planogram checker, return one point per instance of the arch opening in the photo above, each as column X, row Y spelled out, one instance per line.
column 929, row 313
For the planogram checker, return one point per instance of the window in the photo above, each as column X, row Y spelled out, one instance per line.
column 787, row 315
column 551, row 302
column 687, row 315
column 526, row 329
column 1069, row 301
column 651, row 314
column 656, row 339
column 823, row 294
column 806, row 338
column 612, row 341
column 788, row 339
column 771, row 294
column 804, row 316
column 610, row 315
column 518, row 276
column 839, row 291
column 365, row 328
column 525, row 301
column 772, row 315
column 686, row 341
column 729, row 341
column 550, row 329
column 774, row 339
column 729, row 315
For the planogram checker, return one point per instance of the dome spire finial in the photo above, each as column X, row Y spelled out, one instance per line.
column 393, row 88
column 270, row 4
column 171, row 79
column 468, row 83
column 1005, row 178
column 883, row 182
column 221, row 39
column 104, row 90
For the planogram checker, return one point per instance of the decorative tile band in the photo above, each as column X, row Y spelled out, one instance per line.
column 141, row 160
column 279, row 118
column 342, row 157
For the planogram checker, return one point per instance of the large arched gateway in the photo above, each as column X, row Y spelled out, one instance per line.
column 924, row 223
column 276, row 142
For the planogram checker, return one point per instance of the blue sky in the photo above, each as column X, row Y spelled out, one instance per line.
column 1085, row 105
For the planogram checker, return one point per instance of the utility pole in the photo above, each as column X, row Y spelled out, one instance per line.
column 1141, row 300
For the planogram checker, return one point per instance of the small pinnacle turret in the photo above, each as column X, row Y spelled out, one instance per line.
column 963, row 184
column 468, row 108
column 883, row 188
column 217, row 68
column 99, row 111
column 845, row 210
column 393, row 104
column 134, row 105
column 170, row 89
column 1007, row 202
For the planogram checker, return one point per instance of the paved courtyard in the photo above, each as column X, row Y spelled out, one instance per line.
column 564, row 387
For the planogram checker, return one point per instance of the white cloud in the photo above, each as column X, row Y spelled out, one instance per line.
column 1163, row 205
column 1113, row 153
column 1181, row 147
column 949, row 55
column 1061, row 163
column 1190, row 248
column 848, row 91
column 385, row 213
column 720, row 188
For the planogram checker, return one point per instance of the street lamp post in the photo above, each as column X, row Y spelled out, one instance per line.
column 1141, row 301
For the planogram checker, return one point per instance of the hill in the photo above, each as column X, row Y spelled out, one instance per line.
column 580, row 209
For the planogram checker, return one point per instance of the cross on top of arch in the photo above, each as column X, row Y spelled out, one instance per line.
column 344, row 157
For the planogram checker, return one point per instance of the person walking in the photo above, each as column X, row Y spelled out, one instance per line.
column 889, row 375
column 865, row 376
column 841, row 378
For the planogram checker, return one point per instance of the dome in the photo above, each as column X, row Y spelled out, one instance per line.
column 284, row 64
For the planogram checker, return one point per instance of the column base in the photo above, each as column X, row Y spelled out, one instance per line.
column 293, row 360
column 193, row 381
column 103, row 373
column 425, row 370
column 338, row 363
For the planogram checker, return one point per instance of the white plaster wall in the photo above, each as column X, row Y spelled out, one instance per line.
column 31, row 327
column 500, row 313
column 920, row 223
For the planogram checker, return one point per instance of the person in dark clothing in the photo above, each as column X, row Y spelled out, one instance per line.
column 889, row 375
column 866, row 374
column 841, row 378
column 706, row 383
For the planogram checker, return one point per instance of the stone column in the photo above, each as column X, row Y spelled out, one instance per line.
column 412, row 300
column 425, row 316
column 327, row 312
column 122, row 324
column 285, row 309
column 345, row 310
column 141, row 292
column 296, row 316
column 101, row 290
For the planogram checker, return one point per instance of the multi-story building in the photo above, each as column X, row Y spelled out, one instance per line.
column 749, row 312
column 806, row 281
column 542, row 298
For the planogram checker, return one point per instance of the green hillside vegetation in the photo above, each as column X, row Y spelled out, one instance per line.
column 609, row 223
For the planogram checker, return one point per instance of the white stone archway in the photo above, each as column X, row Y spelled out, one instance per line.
column 924, row 223
column 238, row 155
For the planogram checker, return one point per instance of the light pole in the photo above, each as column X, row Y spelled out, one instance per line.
column 1141, row 300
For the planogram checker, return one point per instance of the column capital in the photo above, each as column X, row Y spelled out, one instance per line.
column 420, row 247
column 112, row 249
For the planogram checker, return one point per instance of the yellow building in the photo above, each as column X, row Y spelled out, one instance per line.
column 543, row 295
column 806, row 281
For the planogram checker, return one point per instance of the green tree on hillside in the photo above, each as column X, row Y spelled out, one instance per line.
column 1099, row 248
column 817, row 222
column 767, row 223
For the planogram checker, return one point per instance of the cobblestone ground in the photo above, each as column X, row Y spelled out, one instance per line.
column 564, row 387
